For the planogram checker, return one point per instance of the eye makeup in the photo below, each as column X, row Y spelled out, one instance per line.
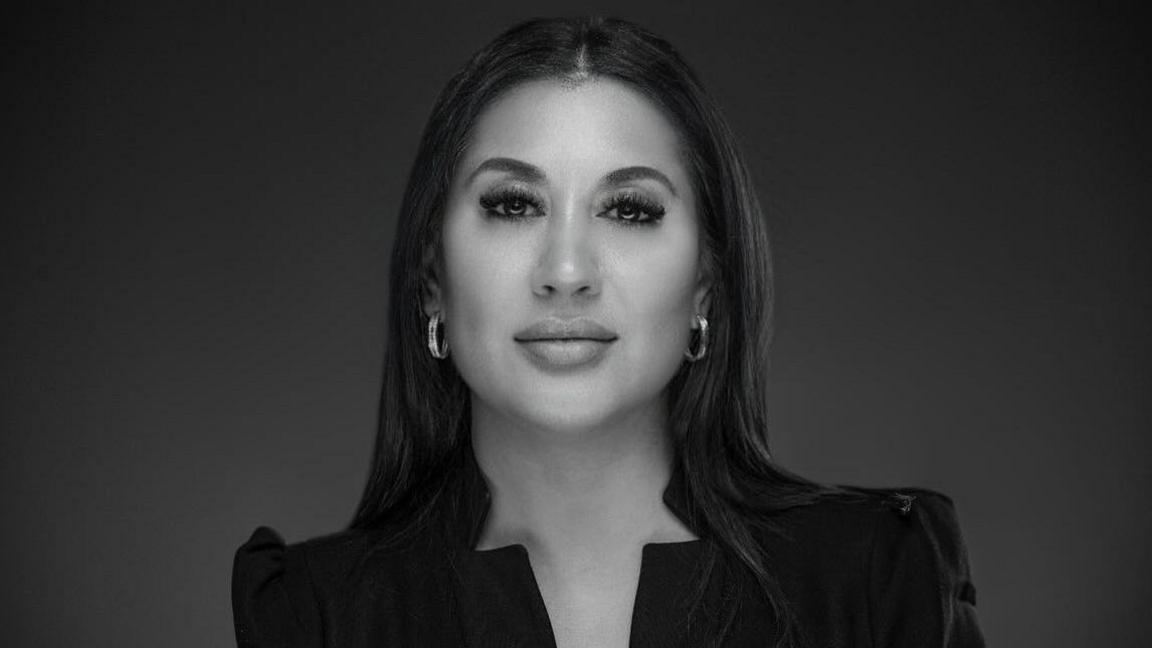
column 632, row 209
column 624, row 208
column 511, row 203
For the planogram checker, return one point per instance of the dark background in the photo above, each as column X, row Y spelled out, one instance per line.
column 200, row 201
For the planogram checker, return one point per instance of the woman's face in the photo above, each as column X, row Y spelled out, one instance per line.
column 571, row 274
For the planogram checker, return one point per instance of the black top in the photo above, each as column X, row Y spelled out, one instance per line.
column 887, row 568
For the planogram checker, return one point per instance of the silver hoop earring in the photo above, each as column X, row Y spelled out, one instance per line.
column 702, row 346
column 439, row 351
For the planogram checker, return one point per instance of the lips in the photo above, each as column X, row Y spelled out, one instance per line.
column 557, row 344
column 556, row 329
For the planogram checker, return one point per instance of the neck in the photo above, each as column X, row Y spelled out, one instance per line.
column 567, row 493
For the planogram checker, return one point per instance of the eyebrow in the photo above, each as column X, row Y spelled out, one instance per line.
column 634, row 173
column 515, row 168
column 528, row 173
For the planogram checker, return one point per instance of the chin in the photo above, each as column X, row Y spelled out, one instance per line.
column 567, row 404
column 571, row 422
column 571, row 414
column 568, row 411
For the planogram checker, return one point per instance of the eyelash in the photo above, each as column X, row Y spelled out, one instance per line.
column 649, row 212
column 496, row 199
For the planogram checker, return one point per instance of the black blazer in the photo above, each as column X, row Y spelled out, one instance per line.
column 885, row 569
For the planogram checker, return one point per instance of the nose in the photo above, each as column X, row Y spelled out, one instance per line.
column 567, row 266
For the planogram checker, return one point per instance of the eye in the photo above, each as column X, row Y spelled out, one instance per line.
column 633, row 209
column 510, row 203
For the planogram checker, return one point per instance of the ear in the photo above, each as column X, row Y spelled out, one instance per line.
column 702, row 299
column 431, row 292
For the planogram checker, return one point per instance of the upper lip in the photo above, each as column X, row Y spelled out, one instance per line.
column 555, row 328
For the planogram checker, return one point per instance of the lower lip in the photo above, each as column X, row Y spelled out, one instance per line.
column 565, row 354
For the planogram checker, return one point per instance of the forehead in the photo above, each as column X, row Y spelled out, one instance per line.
column 600, row 122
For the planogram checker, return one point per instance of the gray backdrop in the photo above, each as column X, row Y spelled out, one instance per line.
column 194, row 260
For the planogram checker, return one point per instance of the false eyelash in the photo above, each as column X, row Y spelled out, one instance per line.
column 651, row 210
column 493, row 199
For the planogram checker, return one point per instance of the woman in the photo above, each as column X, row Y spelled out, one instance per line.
column 572, row 445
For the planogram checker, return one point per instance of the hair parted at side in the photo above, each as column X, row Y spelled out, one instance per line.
column 718, row 410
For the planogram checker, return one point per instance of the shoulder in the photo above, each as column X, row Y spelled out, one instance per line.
column 853, row 518
column 894, row 557
column 282, row 594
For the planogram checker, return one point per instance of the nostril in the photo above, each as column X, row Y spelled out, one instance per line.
column 584, row 289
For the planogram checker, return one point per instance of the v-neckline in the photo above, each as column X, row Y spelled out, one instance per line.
column 504, row 606
column 501, row 598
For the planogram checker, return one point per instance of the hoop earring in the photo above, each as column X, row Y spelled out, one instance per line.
column 439, row 351
column 702, row 347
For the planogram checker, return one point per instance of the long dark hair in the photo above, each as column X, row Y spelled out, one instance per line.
column 718, row 413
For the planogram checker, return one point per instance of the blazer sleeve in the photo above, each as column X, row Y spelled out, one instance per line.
column 273, row 601
column 922, row 594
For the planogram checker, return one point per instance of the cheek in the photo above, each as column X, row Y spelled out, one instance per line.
column 479, row 293
column 657, row 289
